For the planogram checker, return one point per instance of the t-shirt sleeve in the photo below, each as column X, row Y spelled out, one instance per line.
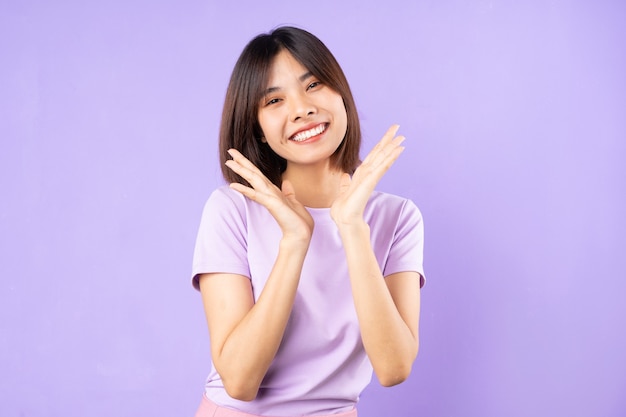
column 221, row 244
column 407, row 248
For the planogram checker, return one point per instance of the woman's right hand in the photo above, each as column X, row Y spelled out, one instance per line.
column 292, row 217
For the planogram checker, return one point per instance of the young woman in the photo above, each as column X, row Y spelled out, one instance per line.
column 310, row 278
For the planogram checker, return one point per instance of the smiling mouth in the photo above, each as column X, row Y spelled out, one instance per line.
column 307, row 134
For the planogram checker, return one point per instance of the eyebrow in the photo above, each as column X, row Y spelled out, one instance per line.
column 302, row 78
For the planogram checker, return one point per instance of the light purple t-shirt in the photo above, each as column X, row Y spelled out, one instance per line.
column 321, row 366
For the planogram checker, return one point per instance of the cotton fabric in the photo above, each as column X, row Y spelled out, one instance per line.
column 321, row 366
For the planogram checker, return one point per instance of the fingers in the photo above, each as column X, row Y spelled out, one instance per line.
column 261, row 189
column 246, row 169
column 387, row 137
column 387, row 144
column 292, row 217
column 288, row 191
column 242, row 166
column 384, row 154
column 344, row 183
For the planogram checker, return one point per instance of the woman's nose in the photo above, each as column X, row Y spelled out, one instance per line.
column 302, row 107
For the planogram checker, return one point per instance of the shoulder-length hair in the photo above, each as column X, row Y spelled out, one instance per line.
column 240, row 128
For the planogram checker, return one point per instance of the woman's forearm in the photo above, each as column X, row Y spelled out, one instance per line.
column 246, row 353
column 390, row 343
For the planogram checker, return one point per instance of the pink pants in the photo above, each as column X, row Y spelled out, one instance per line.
column 209, row 409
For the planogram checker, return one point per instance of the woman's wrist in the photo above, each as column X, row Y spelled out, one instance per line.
column 359, row 229
column 295, row 243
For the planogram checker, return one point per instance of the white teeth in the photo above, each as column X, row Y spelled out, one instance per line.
column 309, row 133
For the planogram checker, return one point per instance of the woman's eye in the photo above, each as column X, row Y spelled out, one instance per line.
column 272, row 101
column 314, row 84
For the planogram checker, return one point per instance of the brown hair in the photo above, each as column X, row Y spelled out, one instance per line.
column 240, row 128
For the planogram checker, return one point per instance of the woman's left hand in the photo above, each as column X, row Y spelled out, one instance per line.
column 354, row 192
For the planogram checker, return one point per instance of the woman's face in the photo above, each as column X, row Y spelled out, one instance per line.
column 303, row 120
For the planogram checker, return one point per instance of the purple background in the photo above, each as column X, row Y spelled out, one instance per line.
column 516, row 122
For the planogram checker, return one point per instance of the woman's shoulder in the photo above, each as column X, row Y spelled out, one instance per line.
column 222, row 201
column 225, row 198
column 225, row 202
column 224, row 193
column 390, row 211
column 382, row 201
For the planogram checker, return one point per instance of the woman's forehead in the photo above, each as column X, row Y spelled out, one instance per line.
column 285, row 64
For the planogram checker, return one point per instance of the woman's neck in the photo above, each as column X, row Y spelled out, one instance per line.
column 315, row 186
